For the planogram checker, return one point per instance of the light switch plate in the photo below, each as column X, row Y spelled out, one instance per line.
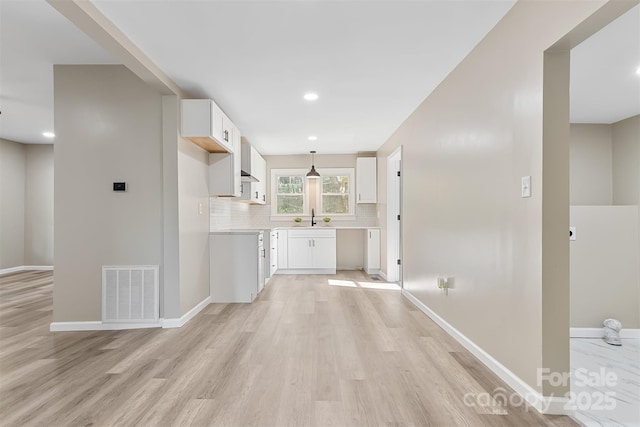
column 526, row 186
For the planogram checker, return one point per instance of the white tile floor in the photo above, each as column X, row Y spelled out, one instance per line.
column 621, row 366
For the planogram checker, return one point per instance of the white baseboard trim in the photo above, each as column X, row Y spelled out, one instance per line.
column 180, row 322
column 599, row 333
column 383, row 275
column 98, row 326
column 25, row 268
column 307, row 271
column 545, row 405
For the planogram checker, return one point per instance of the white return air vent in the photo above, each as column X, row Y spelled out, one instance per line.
column 130, row 294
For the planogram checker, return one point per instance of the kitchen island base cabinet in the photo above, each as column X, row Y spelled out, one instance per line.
column 237, row 266
column 310, row 251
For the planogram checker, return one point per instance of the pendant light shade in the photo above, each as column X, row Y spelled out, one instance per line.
column 313, row 173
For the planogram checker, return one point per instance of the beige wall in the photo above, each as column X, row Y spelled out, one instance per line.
column 38, row 226
column 604, row 266
column 12, row 200
column 193, row 191
column 626, row 171
column 590, row 164
column 350, row 249
column 108, row 128
column 626, row 161
column 465, row 149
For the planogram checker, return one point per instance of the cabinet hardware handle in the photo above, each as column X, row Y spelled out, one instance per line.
column 264, row 197
column 359, row 196
column 369, row 234
column 314, row 243
column 256, row 194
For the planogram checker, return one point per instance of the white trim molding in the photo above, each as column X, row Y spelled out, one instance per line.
column 599, row 333
column 26, row 268
column 543, row 404
column 100, row 326
column 97, row 326
column 180, row 322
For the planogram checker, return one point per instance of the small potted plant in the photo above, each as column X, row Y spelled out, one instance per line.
column 298, row 220
column 326, row 220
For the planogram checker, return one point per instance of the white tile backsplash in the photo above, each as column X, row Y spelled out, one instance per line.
column 228, row 214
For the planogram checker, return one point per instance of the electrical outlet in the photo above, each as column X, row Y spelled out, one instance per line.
column 526, row 186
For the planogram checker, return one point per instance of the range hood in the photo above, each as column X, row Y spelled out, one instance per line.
column 248, row 155
column 247, row 177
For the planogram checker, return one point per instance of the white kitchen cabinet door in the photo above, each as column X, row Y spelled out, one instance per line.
column 237, row 161
column 300, row 252
column 372, row 251
column 261, row 175
column 324, row 252
column 227, row 130
column 273, row 252
column 283, row 250
column 366, row 180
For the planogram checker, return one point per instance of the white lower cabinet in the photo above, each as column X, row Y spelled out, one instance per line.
column 236, row 260
column 372, row 251
column 273, row 253
column 309, row 251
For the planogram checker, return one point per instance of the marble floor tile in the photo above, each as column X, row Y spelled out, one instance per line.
column 605, row 382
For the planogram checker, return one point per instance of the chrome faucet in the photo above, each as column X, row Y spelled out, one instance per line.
column 313, row 217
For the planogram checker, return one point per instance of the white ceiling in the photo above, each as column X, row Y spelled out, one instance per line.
column 33, row 37
column 605, row 86
column 371, row 62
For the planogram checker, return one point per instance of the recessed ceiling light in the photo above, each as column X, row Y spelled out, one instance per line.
column 312, row 138
column 638, row 70
column 310, row 96
column 49, row 134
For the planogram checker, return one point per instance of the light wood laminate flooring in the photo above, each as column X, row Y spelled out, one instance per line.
column 311, row 350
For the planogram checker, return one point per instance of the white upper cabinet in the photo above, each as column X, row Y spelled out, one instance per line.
column 206, row 125
column 366, row 180
column 254, row 171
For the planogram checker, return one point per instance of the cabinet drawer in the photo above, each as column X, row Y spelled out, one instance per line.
column 313, row 232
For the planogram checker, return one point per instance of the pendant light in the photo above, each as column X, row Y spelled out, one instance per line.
column 313, row 173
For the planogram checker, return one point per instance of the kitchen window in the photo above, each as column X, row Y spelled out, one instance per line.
column 293, row 194
column 336, row 192
column 289, row 192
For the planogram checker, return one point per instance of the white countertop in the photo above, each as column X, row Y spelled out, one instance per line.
column 320, row 227
column 239, row 231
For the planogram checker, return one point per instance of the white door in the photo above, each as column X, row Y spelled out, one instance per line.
column 300, row 251
column 324, row 252
column 394, row 216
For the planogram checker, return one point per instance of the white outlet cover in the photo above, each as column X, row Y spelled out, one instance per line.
column 526, row 186
column 572, row 233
